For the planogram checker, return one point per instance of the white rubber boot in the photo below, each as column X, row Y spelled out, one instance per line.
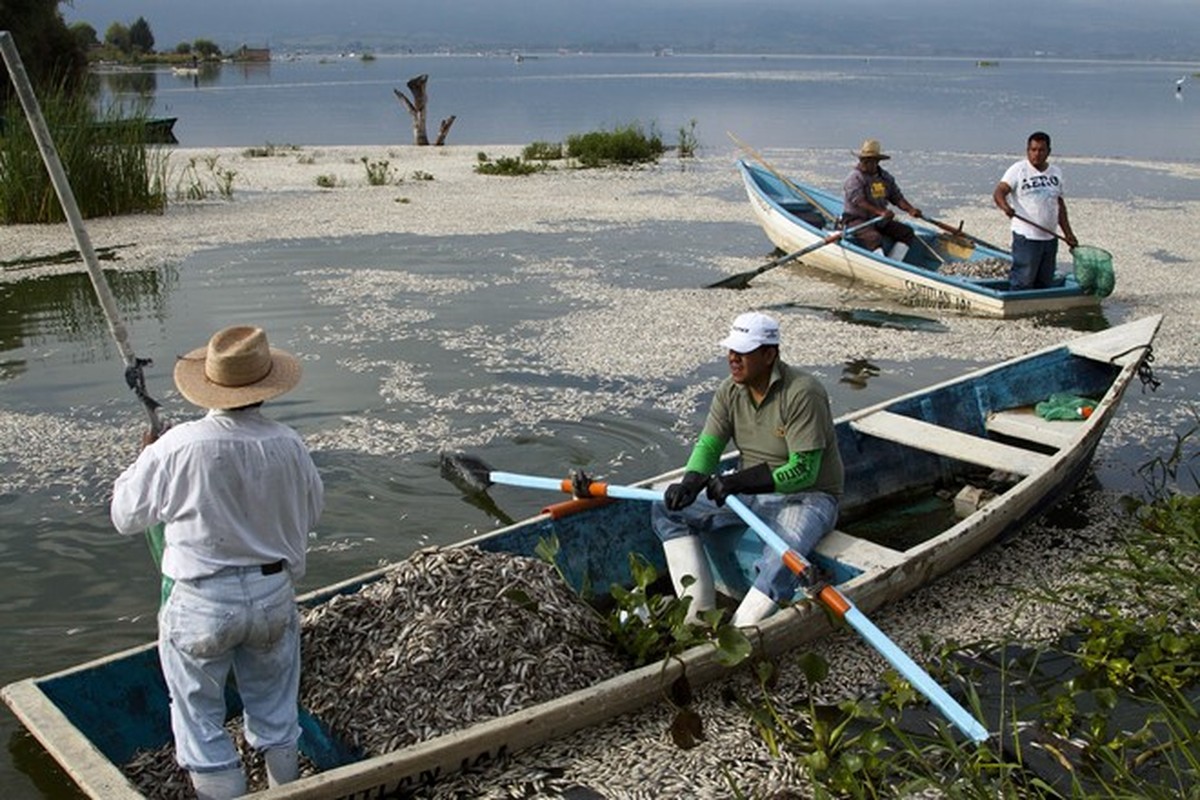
column 283, row 765
column 221, row 785
column 686, row 556
column 754, row 608
column 898, row 252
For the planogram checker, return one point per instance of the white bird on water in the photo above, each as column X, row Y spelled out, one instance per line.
column 1179, row 83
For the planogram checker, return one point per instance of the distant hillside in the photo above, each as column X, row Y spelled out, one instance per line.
column 1147, row 29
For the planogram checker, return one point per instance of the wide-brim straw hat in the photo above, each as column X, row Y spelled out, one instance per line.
column 872, row 149
column 236, row 368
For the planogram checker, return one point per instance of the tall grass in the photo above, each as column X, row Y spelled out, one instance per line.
column 111, row 167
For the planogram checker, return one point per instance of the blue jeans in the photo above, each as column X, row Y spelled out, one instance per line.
column 239, row 620
column 800, row 519
column 1033, row 262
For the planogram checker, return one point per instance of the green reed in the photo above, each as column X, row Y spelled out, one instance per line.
column 111, row 167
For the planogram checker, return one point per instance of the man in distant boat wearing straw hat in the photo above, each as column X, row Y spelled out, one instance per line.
column 867, row 193
column 238, row 494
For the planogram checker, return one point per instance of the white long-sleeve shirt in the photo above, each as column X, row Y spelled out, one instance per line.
column 234, row 489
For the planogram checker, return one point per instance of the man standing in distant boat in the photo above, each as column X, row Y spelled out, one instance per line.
column 868, row 192
column 1033, row 188
column 790, row 473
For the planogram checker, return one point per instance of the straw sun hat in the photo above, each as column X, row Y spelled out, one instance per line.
column 872, row 149
column 237, row 368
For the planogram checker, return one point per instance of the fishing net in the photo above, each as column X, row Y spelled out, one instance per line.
column 1094, row 270
column 1062, row 405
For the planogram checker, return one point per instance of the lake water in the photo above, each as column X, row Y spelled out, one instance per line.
column 1118, row 110
column 404, row 346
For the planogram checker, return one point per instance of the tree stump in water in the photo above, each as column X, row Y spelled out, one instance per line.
column 416, row 109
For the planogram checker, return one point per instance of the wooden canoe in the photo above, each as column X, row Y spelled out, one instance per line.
column 92, row 717
column 929, row 277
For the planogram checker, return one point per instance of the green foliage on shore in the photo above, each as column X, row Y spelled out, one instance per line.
column 623, row 145
column 1120, row 723
column 111, row 167
column 507, row 165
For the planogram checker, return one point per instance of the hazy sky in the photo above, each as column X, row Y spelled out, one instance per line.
column 1151, row 29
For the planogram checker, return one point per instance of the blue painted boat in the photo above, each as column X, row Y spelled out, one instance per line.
column 935, row 273
column 961, row 436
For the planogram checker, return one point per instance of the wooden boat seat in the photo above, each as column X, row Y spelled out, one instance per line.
column 949, row 442
column 1023, row 423
column 860, row 553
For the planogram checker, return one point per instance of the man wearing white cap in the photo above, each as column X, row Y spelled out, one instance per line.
column 791, row 476
column 238, row 494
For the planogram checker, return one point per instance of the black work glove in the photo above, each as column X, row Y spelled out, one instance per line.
column 683, row 494
column 755, row 480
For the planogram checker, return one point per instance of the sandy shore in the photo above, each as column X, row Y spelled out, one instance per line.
column 277, row 197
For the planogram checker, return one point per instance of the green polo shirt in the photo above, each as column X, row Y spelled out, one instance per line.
column 794, row 417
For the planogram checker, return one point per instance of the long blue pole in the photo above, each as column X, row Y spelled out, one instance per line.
column 829, row 595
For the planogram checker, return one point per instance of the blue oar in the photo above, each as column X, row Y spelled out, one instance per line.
column 833, row 599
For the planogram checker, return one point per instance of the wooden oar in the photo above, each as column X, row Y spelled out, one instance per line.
column 1055, row 234
column 960, row 235
column 829, row 215
column 742, row 279
column 829, row 596
column 134, row 376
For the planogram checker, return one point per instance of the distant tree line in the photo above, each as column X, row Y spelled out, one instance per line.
column 135, row 42
column 50, row 52
column 56, row 55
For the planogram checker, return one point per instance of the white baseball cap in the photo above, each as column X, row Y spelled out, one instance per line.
column 751, row 331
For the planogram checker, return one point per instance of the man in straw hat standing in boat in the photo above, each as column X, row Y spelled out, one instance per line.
column 790, row 473
column 868, row 191
column 238, row 494
column 1033, row 188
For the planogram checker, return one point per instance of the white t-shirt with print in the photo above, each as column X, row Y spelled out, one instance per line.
column 1035, row 196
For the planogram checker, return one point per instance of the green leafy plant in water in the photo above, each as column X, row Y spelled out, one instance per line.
column 842, row 747
column 645, row 627
column 1167, row 475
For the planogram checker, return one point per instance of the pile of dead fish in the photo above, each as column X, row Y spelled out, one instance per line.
column 441, row 641
column 445, row 639
column 983, row 268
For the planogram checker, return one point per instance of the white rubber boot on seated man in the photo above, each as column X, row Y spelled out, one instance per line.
column 898, row 252
column 754, row 608
column 686, row 556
